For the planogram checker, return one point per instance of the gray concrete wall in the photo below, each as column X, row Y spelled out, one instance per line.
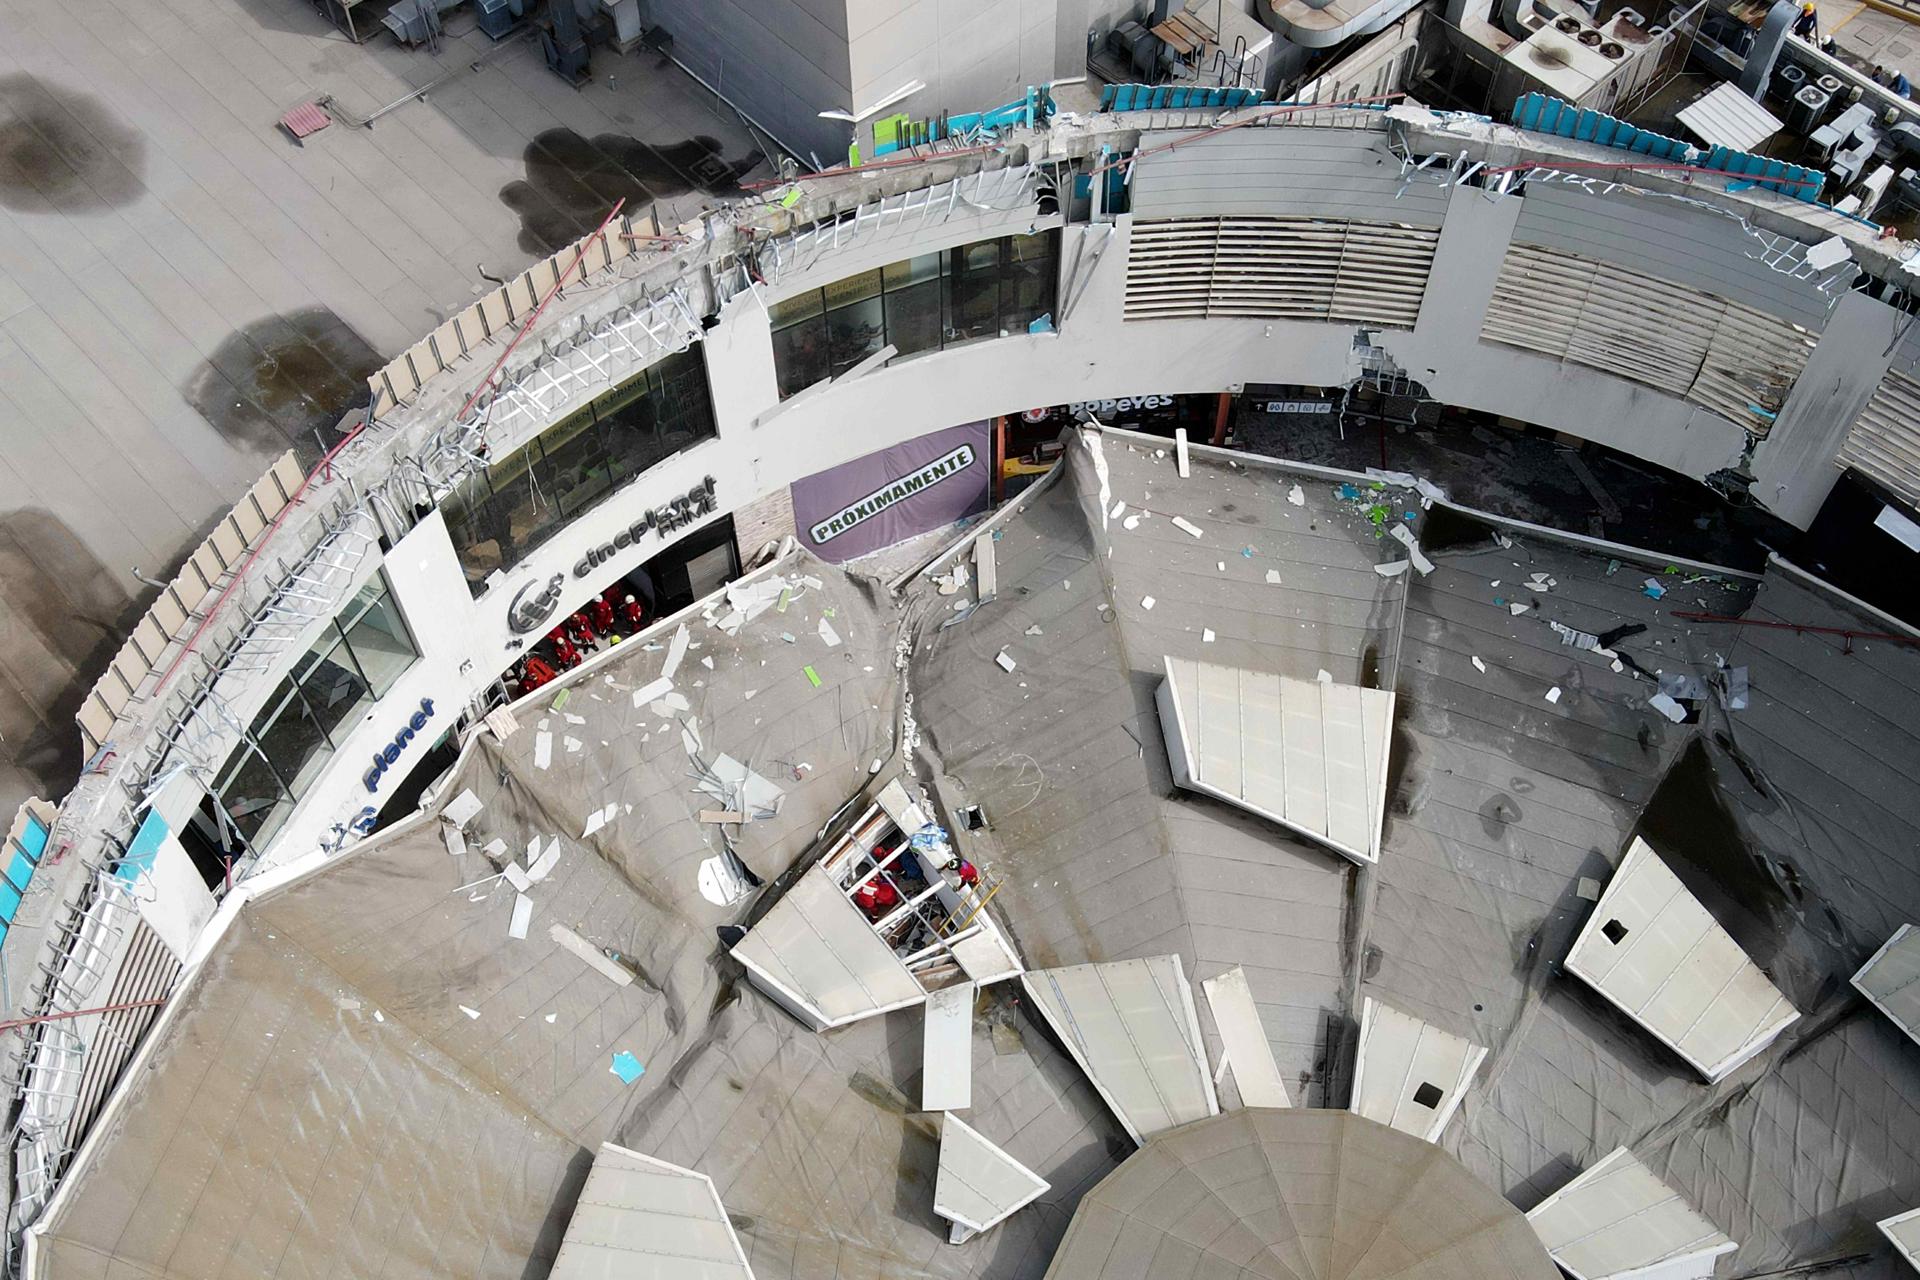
column 782, row 62
column 972, row 54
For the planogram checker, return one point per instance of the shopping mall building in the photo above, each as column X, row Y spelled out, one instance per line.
column 866, row 356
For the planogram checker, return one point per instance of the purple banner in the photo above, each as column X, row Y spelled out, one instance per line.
column 889, row 496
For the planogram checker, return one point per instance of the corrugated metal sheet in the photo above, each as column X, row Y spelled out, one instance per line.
column 1131, row 1026
column 979, row 1186
column 1654, row 951
column 644, row 1219
column 1717, row 353
column 1725, row 117
column 1275, row 268
column 1884, row 441
column 815, row 945
column 1308, row 754
column 1667, row 240
column 1618, row 1219
column 1410, row 1075
column 1310, row 172
column 148, row 973
column 1891, row 979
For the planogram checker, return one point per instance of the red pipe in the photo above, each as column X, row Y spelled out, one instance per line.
column 81, row 1013
column 1692, row 616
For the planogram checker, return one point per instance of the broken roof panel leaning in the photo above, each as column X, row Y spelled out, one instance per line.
column 1409, row 1075
column 1131, row 1026
column 1891, row 979
column 644, row 1219
column 1655, row 952
column 1308, row 754
column 1618, row 1219
column 822, row 958
column 979, row 1185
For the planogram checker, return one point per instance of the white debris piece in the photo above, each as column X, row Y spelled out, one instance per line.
column 1553, row 694
column 707, row 663
column 1325, row 676
column 522, row 916
column 1297, row 496
column 1180, row 450
column 1146, row 602
column 1478, row 665
column 1405, row 537
column 573, row 745
column 542, row 750
column 676, row 651
column 828, row 636
column 1131, row 522
column 1578, row 639
column 596, row 958
column 516, row 877
column 1005, row 660
column 462, row 809
column 1667, row 707
column 1516, row 608
column 571, row 718
column 1273, row 577
column 1392, row 568
column 544, row 865
column 1181, row 523
column 652, row 692
column 1206, row 635
column 456, row 840
column 1033, row 630
column 471, row 1013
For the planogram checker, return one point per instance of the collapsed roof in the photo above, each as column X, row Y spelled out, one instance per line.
column 363, row 1075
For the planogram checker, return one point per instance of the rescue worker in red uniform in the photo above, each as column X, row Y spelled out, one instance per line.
column 580, row 630
column 875, row 898
column 565, row 653
column 600, row 611
column 631, row 611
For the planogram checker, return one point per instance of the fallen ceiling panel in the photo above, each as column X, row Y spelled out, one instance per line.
column 1310, row 755
column 1891, row 979
column 979, row 1186
column 1409, row 1074
column 1131, row 1026
column 1653, row 950
column 1618, row 1219
column 816, row 955
column 644, row 1219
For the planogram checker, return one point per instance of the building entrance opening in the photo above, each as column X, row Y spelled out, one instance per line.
column 692, row 568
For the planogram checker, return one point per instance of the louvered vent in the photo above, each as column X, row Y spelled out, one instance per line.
column 147, row 973
column 1885, row 440
column 1721, row 355
column 1277, row 269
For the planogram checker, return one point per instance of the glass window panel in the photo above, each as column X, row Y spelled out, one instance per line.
column 973, row 293
column 912, row 271
column 842, row 293
column 381, row 646
column 795, row 309
column 854, row 333
column 335, row 689
column 800, row 356
column 913, row 317
column 250, row 791
column 1026, row 291
column 577, row 470
column 290, row 738
column 481, row 544
column 683, row 404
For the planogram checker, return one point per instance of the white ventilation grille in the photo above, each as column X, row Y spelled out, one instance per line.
column 1885, row 440
column 1271, row 268
column 1721, row 355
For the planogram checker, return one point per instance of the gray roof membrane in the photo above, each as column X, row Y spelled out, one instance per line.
column 317, row 1101
column 1102, row 857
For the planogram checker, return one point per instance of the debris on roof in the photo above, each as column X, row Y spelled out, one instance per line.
column 1409, row 1075
column 1618, row 1220
column 979, row 1186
